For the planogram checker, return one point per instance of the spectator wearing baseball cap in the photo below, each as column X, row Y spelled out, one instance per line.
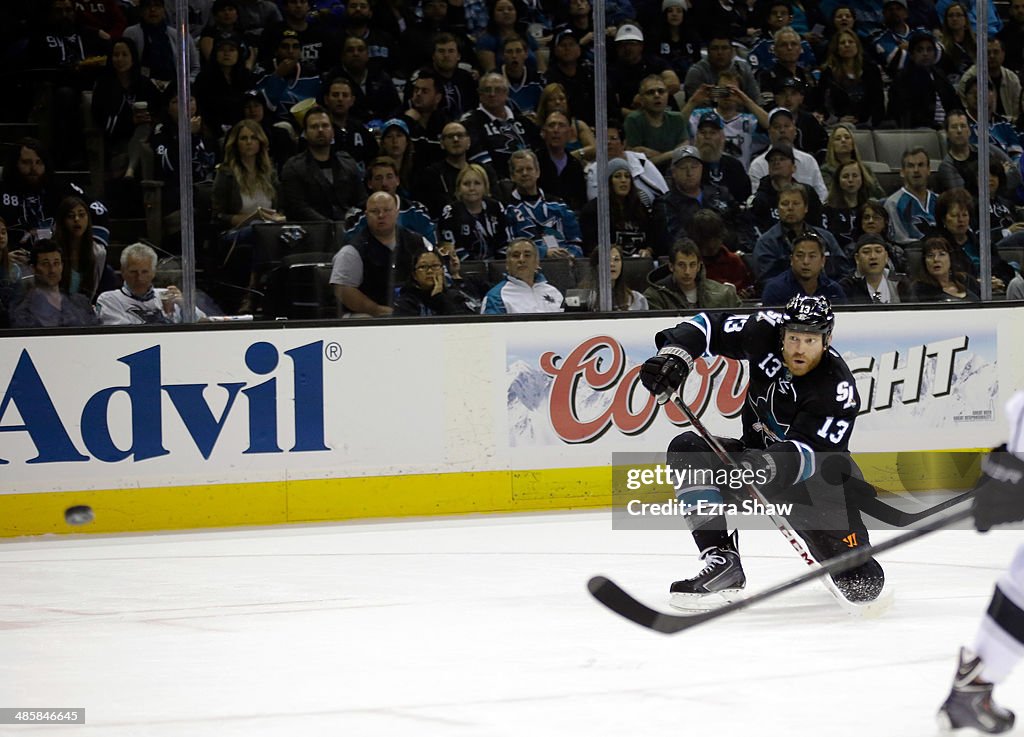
column 289, row 84
column 674, row 210
column 653, row 130
column 565, row 68
column 810, row 133
column 741, row 116
column 720, row 167
column 629, row 67
column 782, row 129
column 781, row 167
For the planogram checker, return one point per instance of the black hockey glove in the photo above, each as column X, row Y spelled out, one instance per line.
column 666, row 372
column 999, row 493
column 763, row 470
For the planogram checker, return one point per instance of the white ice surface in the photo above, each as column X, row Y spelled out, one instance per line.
column 477, row 626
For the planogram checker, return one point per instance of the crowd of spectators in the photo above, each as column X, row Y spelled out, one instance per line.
column 433, row 135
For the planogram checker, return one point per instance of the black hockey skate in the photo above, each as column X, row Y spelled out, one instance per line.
column 969, row 705
column 858, row 585
column 721, row 580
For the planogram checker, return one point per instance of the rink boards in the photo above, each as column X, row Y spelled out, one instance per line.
column 187, row 429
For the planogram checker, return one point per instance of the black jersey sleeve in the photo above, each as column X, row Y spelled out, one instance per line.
column 724, row 334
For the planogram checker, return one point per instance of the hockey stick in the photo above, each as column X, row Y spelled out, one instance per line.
column 898, row 518
column 878, row 605
column 615, row 598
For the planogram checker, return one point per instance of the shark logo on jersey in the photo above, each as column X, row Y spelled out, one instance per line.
column 764, row 408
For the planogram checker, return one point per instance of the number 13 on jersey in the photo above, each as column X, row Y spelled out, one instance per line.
column 838, row 427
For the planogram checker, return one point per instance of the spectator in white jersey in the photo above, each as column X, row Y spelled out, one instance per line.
column 137, row 302
column 741, row 117
column 782, row 129
column 524, row 288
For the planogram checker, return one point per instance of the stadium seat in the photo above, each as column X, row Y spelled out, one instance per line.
column 913, row 254
column 584, row 271
column 475, row 270
column 890, row 145
column 635, row 271
column 495, row 271
column 299, row 288
column 274, row 241
column 865, row 144
column 559, row 272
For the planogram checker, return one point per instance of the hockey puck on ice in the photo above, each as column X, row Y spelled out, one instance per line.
column 80, row 514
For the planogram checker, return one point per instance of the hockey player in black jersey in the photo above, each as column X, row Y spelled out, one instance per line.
column 798, row 416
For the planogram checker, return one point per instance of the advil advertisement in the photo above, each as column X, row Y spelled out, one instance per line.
column 124, row 409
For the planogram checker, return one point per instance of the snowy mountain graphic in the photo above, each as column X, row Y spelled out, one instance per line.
column 529, row 390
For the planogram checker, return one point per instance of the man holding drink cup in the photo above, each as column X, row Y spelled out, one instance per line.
column 137, row 302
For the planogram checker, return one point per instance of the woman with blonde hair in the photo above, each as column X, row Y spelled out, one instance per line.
column 581, row 137
column 851, row 85
column 847, row 193
column 842, row 149
column 474, row 226
column 245, row 191
column 245, row 188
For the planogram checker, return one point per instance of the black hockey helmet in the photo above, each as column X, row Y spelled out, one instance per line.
column 805, row 314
